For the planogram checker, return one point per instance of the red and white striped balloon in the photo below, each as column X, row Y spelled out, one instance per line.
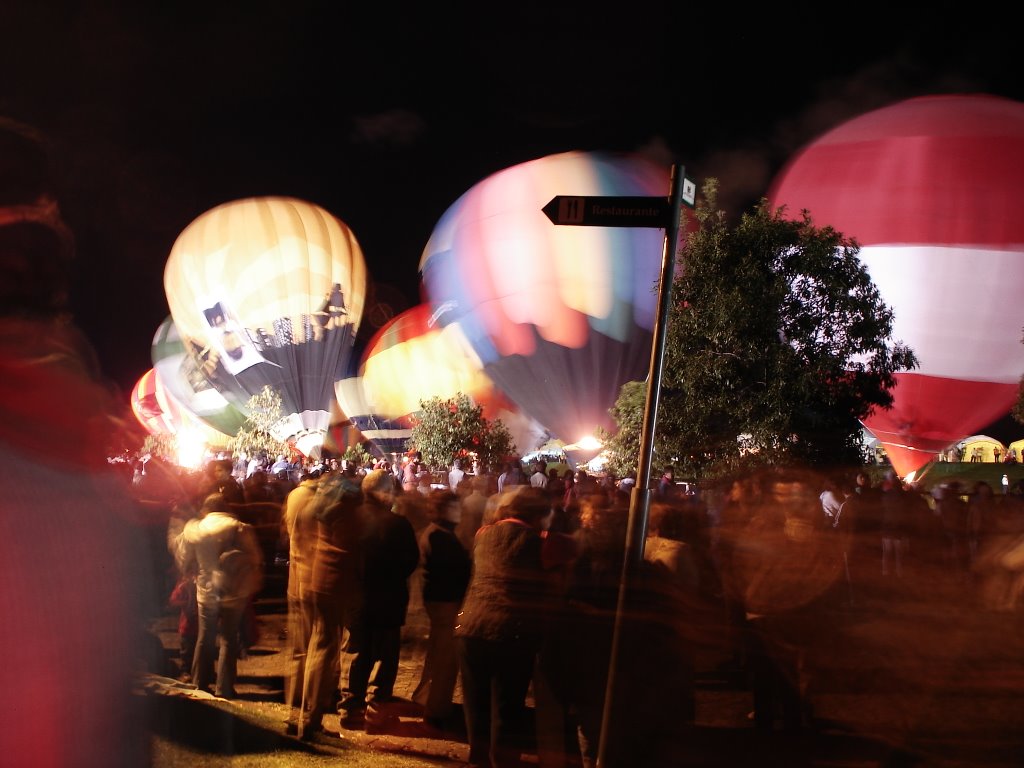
column 932, row 189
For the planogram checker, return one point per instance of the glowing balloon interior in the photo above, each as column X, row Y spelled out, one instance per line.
column 560, row 317
column 413, row 359
column 270, row 292
column 153, row 407
column 931, row 188
column 156, row 408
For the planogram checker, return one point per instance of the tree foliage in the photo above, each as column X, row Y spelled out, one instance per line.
column 1018, row 407
column 778, row 343
column 163, row 446
column 444, row 430
column 357, row 454
column 255, row 435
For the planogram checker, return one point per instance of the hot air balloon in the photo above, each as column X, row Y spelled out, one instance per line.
column 268, row 292
column 931, row 188
column 185, row 381
column 560, row 317
column 413, row 358
column 387, row 435
column 161, row 414
column 153, row 407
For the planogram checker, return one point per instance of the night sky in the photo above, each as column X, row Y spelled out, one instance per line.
column 385, row 114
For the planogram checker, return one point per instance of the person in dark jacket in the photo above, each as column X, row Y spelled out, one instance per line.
column 390, row 555
column 501, row 625
column 446, row 568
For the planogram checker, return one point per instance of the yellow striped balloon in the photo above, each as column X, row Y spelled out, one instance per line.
column 269, row 292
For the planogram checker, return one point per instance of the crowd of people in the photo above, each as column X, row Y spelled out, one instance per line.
column 521, row 588
column 509, row 579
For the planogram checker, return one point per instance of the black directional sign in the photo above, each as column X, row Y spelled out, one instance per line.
column 608, row 211
column 616, row 211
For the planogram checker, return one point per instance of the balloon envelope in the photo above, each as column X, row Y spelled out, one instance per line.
column 186, row 383
column 387, row 435
column 160, row 413
column 560, row 316
column 413, row 359
column 269, row 292
column 931, row 188
column 152, row 406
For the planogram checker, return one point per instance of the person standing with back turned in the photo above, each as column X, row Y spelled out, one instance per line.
column 222, row 597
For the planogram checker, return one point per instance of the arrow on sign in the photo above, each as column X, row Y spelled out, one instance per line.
column 608, row 211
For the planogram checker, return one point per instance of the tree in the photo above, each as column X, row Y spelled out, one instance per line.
column 356, row 454
column 1018, row 408
column 778, row 343
column 163, row 446
column 444, row 430
column 255, row 435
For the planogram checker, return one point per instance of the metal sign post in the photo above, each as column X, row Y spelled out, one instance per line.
column 634, row 212
column 640, row 502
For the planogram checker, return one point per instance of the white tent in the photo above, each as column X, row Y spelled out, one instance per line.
column 981, row 448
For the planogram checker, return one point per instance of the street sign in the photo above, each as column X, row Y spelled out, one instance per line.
column 616, row 211
column 608, row 211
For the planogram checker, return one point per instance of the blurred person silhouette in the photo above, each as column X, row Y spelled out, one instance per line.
column 832, row 498
column 674, row 579
column 555, row 485
column 655, row 688
column 501, row 625
column 183, row 597
column 895, row 524
column 592, row 595
column 667, row 483
column 539, row 478
column 221, row 599
column 390, row 554
column 256, row 488
column 999, row 565
column 218, row 479
column 279, row 485
column 784, row 562
column 473, row 506
column 981, row 512
column 511, row 476
column 860, row 531
column 446, row 568
column 299, row 528
column 77, row 586
column 282, row 464
column 456, row 475
column 334, row 587
column 412, row 472
column 952, row 510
